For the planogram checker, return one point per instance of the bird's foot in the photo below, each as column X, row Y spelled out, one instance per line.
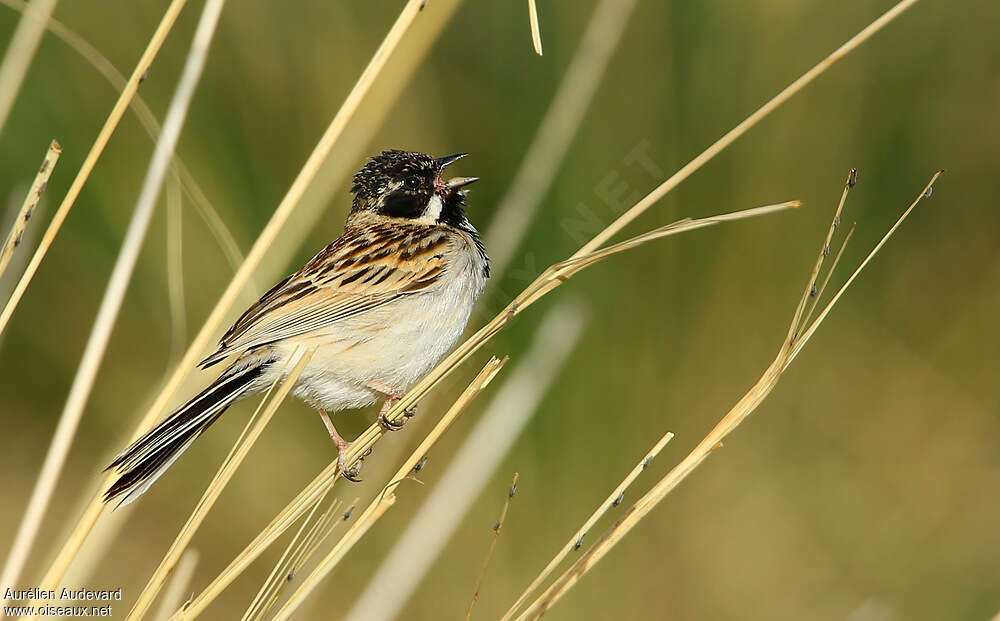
column 349, row 472
column 387, row 424
column 391, row 400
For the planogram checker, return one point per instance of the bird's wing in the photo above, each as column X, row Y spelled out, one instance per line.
column 361, row 271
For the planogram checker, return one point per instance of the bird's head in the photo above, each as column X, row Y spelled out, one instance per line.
column 409, row 185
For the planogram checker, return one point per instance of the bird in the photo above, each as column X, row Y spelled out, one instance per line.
column 380, row 306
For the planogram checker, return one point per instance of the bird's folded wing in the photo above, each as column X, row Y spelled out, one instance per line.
column 355, row 274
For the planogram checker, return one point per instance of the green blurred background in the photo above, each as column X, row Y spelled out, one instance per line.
column 865, row 487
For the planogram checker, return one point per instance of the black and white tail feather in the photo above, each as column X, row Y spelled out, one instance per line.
column 142, row 462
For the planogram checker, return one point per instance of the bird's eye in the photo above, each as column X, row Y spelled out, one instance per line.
column 412, row 183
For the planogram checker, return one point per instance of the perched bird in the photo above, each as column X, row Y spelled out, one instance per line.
column 381, row 305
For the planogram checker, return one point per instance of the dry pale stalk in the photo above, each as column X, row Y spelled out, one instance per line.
column 795, row 339
column 381, row 503
column 219, row 483
column 152, row 48
column 536, row 34
column 493, row 544
column 30, row 203
column 243, row 274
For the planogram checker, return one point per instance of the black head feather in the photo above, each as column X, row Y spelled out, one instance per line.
column 396, row 183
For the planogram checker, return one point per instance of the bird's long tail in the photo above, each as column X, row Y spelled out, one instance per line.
column 147, row 458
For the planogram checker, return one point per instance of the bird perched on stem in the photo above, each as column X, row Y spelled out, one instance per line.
column 381, row 305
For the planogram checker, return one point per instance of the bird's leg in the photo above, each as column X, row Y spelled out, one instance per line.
column 351, row 474
column 391, row 397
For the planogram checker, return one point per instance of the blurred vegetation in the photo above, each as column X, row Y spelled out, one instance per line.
column 864, row 488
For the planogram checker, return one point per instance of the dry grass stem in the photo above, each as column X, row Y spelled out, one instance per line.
column 28, row 207
column 467, row 472
column 493, row 544
column 536, row 34
column 614, row 499
column 559, row 126
column 795, row 339
column 20, row 52
column 732, row 135
column 244, row 273
column 173, row 595
column 381, row 503
column 262, row 416
column 147, row 119
column 152, row 48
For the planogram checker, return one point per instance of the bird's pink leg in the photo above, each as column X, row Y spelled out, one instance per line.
column 351, row 474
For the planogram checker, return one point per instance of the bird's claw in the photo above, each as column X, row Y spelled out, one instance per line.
column 390, row 425
column 351, row 473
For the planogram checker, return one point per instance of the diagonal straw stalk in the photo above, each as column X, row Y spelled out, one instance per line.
column 242, row 276
column 152, row 48
column 30, row 203
column 20, row 52
column 383, row 501
column 793, row 343
column 222, row 477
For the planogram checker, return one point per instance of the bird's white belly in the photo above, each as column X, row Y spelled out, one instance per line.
column 389, row 347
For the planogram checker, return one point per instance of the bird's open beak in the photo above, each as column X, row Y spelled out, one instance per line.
column 448, row 160
column 459, row 182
